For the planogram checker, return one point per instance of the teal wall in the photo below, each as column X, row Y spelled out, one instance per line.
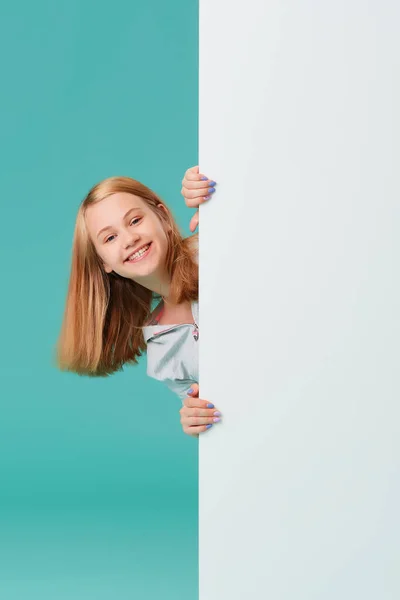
column 98, row 495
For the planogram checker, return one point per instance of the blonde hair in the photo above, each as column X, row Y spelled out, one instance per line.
column 104, row 312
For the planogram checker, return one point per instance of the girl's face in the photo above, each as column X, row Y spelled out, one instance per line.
column 129, row 237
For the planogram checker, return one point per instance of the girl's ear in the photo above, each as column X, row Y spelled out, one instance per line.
column 107, row 268
column 165, row 210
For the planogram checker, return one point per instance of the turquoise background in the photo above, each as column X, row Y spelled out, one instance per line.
column 98, row 495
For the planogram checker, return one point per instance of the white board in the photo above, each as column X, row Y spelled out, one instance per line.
column 299, row 124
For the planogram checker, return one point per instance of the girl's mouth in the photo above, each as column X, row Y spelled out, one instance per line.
column 139, row 254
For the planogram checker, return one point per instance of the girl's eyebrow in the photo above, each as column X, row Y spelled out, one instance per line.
column 110, row 226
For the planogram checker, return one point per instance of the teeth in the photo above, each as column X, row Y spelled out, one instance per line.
column 139, row 252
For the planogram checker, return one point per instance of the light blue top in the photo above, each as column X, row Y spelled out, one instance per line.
column 172, row 353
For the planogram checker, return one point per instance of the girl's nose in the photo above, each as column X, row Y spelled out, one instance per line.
column 130, row 238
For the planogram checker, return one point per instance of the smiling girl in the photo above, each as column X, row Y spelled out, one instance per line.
column 128, row 254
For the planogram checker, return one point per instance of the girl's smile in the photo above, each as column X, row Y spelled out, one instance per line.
column 139, row 254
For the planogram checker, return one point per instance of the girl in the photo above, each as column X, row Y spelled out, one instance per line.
column 128, row 254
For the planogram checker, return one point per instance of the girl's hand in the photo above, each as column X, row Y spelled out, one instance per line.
column 195, row 416
column 196, row 189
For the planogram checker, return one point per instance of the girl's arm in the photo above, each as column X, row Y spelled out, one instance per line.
column 196, row 189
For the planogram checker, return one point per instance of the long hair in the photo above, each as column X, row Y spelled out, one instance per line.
column 105, row 312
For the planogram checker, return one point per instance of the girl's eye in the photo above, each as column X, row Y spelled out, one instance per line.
column 133, row 221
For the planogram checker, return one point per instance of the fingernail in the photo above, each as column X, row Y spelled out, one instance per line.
column 209, row 425
column 204, row 179
column 217, row 413
column 216, row 420
column 207, row 197
column 210, row 405
column 213, row 183
column 190, row 391
column 211, row 190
